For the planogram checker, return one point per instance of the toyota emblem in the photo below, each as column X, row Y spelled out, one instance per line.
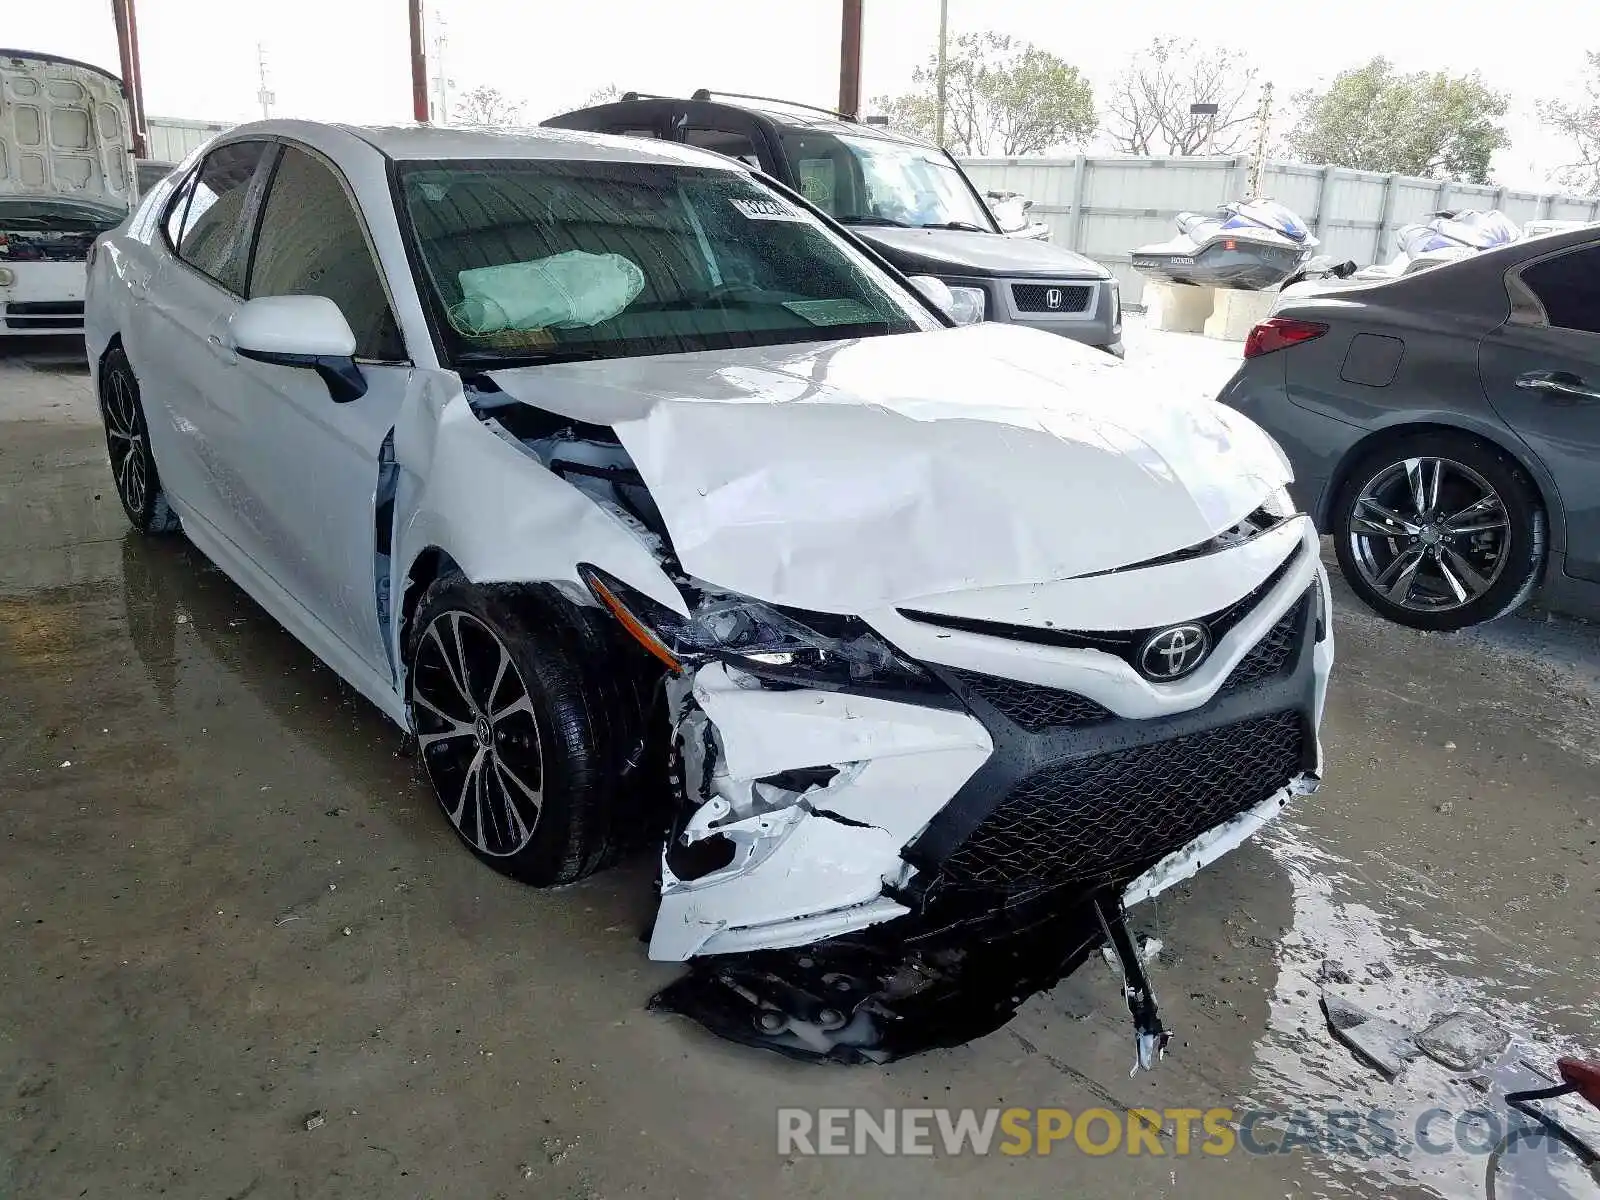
column 1053, row 298
column 1174, row 652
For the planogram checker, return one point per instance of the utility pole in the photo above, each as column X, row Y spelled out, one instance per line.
column 419, row 65
column 265, row 95
column 441, row 83
column 1263, row 127
column 939, row 81
column 850, row 59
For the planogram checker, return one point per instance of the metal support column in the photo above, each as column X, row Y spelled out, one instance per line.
column 850, row 59
column 419, row 65
column 1385, row 218
column 132, row 80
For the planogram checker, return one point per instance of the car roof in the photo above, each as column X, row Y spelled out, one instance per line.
column 777, row 112
column 429, row 142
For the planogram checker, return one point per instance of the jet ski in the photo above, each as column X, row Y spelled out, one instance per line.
column 1010, row 211
column 1446, row 236
column 1245, row 245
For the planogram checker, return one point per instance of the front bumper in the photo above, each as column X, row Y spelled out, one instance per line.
column 43, row 298
column 1087, row 777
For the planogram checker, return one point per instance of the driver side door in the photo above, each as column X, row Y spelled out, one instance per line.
column 316, row 471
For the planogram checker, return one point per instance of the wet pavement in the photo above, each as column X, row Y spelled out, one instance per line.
column 227, row 904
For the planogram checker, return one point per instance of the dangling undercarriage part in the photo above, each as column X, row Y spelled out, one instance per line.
column 1150, row 1037
column 955, row 970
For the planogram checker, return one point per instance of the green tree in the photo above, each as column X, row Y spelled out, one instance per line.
column 1430, row 124
column 1580, row 123
column 1148, row 109
column 1002, row 96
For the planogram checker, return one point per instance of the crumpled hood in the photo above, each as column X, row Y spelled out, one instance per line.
column 843, row 476
column 962, row 252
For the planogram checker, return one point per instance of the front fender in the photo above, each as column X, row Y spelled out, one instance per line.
column 496, row 510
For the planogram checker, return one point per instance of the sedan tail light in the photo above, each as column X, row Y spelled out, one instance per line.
column 1279, row 333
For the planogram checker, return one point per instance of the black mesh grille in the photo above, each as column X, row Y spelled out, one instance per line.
column 1034, row 707
column 1273, row 654
column 1034, row 297
column 1091, row 818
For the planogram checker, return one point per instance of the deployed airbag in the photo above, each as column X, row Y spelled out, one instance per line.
column 564, row 291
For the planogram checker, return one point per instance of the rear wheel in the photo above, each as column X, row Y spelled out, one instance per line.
column 133, row 465
column 526, row 726
column 1438, row 531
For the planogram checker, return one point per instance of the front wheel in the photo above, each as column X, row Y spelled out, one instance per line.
column 1439, row 531
column 526, row 724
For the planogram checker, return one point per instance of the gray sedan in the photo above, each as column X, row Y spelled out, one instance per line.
column 1444, row 428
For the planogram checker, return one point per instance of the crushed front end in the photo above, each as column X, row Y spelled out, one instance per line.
column 866, row 866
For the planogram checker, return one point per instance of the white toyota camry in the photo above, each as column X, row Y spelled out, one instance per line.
column 663, row 512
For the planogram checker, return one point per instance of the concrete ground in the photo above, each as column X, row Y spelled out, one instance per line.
column 227, row 904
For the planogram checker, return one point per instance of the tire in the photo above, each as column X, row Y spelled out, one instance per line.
column 133, row 464
column 559, row 738
column 1439, row 531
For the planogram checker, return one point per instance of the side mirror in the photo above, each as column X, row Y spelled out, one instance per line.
column 301, row 331
column 963, row 305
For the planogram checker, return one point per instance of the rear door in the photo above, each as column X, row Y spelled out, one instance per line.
column 308, row 469
column 1541, row 370
column 177, row 347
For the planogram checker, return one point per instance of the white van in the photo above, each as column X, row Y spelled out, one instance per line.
column 66, row 177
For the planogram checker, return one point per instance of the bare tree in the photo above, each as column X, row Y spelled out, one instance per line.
column 603, row 95
column 1148, row 109
column 487, row 106
column 1580, row 122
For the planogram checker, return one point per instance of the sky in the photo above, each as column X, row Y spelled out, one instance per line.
column 349, row 59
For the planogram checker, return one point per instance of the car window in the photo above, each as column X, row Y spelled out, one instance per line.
column 214, row 238
column 878, row 181
column 1568, row 286
column 526, row 259
column 724, row 141
column 311, row 243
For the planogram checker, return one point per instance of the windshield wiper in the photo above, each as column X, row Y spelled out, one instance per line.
column 533, row 358
column 870, row 220
column 968, row 226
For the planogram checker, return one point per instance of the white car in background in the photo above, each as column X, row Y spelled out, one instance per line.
column 66, row 177
column 661, row 511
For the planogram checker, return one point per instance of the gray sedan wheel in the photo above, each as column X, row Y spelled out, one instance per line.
column 1439, row 531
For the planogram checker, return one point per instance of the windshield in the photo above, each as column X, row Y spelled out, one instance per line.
column 545, row 260
column 870, row 181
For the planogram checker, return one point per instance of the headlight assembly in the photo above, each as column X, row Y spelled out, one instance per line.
column 805, row 648
column 968, row 305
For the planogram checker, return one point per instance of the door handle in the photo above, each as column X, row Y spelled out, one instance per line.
column 1563, row 384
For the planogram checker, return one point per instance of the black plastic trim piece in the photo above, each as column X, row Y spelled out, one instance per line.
column 339, row 371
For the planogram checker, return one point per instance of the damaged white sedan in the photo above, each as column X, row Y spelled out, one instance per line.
column 663, row 513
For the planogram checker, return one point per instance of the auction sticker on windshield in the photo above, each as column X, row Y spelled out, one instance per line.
column 762, row 209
